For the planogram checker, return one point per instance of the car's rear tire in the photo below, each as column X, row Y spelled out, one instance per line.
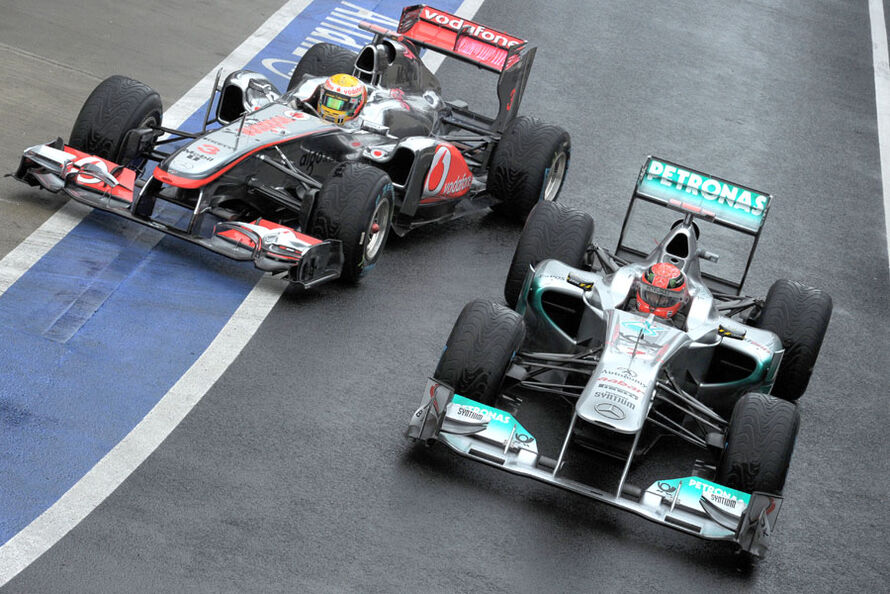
column 479, row 350
column 528, row 166
column 116, row 106
column 355, row 205
column 799, row 316
column 759, row 444
column 322, row 59
column 551, row 231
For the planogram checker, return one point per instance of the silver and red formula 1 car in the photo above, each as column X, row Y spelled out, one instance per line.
column 270, row 181
column 597, row 372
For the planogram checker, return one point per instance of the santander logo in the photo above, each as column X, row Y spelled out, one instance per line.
column 476, row 30
column 448, row 175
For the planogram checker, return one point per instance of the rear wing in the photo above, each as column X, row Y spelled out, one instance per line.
column 506, row 55
column 700, row 195
column 459, row 38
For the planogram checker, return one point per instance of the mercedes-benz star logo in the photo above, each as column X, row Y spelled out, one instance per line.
column 609, row 410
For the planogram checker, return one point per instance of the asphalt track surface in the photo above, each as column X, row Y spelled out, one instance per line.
column 292, row 472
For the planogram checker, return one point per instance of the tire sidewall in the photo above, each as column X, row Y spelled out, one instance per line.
column 552, row 230
column 344, row 209
column 521, row 164
column 100, row 128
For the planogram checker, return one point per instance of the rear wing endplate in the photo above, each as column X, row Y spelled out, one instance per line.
column 703, row 196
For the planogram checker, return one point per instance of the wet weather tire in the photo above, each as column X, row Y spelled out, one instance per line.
column 116, row 106
column 479, row 350
column 323, row 59
column 759, row 444
column 528, row 166
column 551, row 231
column 355, row 205
column 799, row 316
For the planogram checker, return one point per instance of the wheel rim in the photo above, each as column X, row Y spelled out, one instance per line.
column 555, row 175
column 376, row 230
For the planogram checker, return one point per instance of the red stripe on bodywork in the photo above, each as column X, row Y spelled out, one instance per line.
column 189, row 183
column 302, row 237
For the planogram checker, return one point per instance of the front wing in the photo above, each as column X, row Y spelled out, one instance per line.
column 690, row 504
column 113, row 188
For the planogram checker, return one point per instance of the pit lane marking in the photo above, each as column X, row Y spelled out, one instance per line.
column 882, row 98
column 43, row 532
column 113, row 469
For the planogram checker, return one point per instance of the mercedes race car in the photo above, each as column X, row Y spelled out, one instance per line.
column 269, row 180
column 632, row 349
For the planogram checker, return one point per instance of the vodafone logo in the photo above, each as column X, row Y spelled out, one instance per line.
column 85, row 178
column 478, row 31
column 435, row 180
column 448, row 175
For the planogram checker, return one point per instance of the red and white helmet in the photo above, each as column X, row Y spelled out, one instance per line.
column 662, row 290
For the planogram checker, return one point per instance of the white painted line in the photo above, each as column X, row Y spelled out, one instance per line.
column 126, row 456
column 114, row 468
column 882, row 98
column 54, row 229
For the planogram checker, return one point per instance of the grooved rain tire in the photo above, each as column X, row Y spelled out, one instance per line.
column 482, row 343
column 521, row 162
column 323, row 59
column 551, row 231
column 759, row 444
column 116, row 106
column 344, row 209
column 799, row 315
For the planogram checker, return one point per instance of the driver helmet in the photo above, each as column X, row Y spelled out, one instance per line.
column 341, row 98
column 662, row 290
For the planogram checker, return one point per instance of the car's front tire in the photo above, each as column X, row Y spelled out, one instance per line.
column 116, row 106
column 479, row 350
column 759, row 444
column 799, row 316
column 355, row 205
column 552, row 230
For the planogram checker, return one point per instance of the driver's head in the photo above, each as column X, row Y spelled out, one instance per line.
column 662, row 290
column 341, row 98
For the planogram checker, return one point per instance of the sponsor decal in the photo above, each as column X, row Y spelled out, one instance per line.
column 499, row 416
column 615, row 398
column 609, row 410
column 471, row 414
column 692, row 490
column 611, row 382
column 475, row 30
column 644, row 326
column 697, row 192
column 86, row 178
column 310, row 159
column 624, row 373
column 448, row 175
column 271, row 124
column 665, row 487
column 399, row 95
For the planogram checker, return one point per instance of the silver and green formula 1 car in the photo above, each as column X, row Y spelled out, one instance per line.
column 722, row 375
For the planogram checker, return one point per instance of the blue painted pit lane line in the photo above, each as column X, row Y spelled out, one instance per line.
column 101, row 327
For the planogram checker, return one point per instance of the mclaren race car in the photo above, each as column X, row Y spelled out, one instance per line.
column 311, row 195
column 615, row 356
